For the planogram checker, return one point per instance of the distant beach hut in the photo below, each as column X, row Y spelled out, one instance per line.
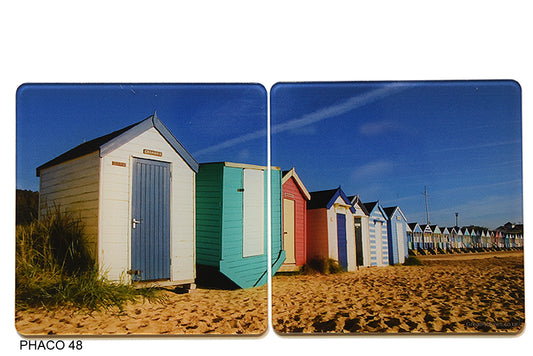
column 134, row 191
column 445, row 238
column 492, row 239
column 330, row 227
column 231, row 223
column 417, row 237
column 483, row 238
column 474, row 238
column 295, row 197
column 428, row 237
column 379, row 249
column 460, row 237
column 396, row 234
column 498, row 238
column 362, row 234
column 453, row 237
column 467, row 238
column 409, row 238
column 436, row 236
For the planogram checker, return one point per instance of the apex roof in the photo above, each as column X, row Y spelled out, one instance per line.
column 115, row 139
column 326, row 199
column 292, row 173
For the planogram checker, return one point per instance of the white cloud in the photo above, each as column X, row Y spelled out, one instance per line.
column 372, row 169
column 377, row 128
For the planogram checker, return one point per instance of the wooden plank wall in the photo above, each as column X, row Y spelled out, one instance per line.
column 74, row 186
column 291, row 191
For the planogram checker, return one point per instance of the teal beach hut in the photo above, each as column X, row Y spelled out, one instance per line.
column 231, row 224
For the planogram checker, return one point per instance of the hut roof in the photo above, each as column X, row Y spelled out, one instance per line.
column 326, row 199
column 413, row 226
column 109, row 142
column 292, row 173
column 370, row 206
column 354, row 199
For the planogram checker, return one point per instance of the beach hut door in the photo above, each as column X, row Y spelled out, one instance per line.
column 401, row 242
column 341, row 241
column 288, row 230
column 358, row 242
column 150, row 226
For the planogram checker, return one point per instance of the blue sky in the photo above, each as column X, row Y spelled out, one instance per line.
column 52, row 119
column 387, row 140
column 382, row 140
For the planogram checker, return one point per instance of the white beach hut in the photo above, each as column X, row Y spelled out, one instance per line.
column 134, row 190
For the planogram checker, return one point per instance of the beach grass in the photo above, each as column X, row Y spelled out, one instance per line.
column 55, row 268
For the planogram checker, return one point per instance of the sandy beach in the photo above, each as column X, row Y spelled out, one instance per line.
column 463, row 293
column 203, row 311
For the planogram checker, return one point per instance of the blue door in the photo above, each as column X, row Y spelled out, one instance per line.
column 150, row 225
column 341, row 241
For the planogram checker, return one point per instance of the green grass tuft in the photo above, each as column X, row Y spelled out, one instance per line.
column 55, row 268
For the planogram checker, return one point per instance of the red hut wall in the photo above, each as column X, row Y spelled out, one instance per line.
column 317, row 233
column 291, row 191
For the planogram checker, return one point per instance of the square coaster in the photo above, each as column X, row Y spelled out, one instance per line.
column 141, row 209
column 402, row 207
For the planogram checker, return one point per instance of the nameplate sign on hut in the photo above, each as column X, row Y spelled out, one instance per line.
column 152, row 152
column 118, row 164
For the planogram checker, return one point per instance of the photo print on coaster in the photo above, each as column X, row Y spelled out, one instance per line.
column 141, row 209
column 402, row 207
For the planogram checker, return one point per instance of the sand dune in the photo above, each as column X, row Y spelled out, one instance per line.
column 452, row 295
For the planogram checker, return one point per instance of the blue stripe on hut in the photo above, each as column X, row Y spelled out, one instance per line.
column 379, row 249
column 396, row 235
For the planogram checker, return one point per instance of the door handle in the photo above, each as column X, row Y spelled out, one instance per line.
column 135, row 222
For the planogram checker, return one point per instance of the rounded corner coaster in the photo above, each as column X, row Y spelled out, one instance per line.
column 401, row 207
column 130, row 219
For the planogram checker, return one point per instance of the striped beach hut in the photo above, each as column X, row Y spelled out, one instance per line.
column 396, row 234
column 416, row 236
column 467, row 238
column 231, row 224
column 295, row 198
column 436, row 236
column 428, row 237
column 362, row 234
column 377, row 223
column 453, row 237
column 330, row 227
column 445, row 238
column 134, row 190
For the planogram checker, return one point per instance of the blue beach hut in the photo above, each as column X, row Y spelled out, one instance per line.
column 396, row 235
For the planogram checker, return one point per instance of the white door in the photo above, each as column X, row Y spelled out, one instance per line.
column 401, row 242
column 253, row 213
column 288, row 230
column 379, row 243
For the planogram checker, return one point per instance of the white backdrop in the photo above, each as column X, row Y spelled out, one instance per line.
column 237, row 41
